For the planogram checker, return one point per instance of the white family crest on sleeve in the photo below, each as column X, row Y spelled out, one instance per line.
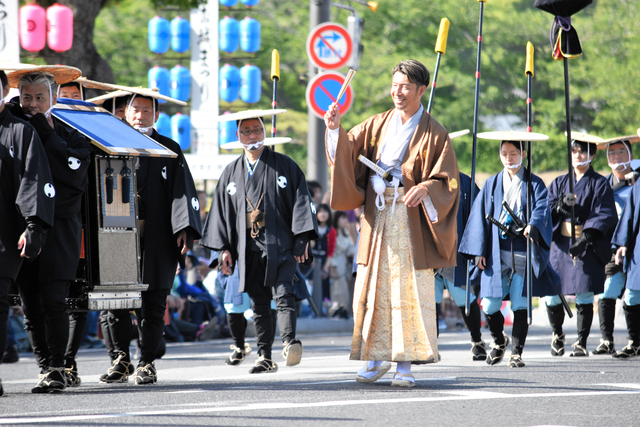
column 282, row 181
column 74, row 164
column 231, row 188
column 11, row 151
column 313, row 208
column 164, row 172
column 49, row 190
column 195, row 203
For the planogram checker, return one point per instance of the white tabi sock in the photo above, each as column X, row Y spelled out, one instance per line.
column 363, row 372
column 404, row 368
column 403, row 372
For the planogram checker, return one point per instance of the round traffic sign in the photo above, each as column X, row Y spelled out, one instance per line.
column 323, row 90
column 329, row 46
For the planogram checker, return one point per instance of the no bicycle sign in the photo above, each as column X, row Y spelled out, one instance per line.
column 329, row 46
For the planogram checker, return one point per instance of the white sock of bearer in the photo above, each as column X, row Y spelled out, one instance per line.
column 363, row 372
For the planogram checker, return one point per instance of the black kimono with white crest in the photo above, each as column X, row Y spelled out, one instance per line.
column 289, row 212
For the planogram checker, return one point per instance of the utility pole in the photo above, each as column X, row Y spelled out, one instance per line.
column 319, row 12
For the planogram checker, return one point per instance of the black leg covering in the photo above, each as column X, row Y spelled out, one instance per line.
column 607, row 315
column 585, row 319
column 519, row 332
column 274, row 323
column 116, row 330
column 496, row 326
column 556, row 318
column 237, row 327
column 632, row 316
column 473, row 320
column 77, row 323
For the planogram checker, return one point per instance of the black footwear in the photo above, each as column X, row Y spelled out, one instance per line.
column 119, row 372
column 605, row 347
column 11, row 354
column 632, row 316
column 515, row 361
column 1, row 389
column 73, row 380
column 146, row 374
column 238, row 355
column 292, row 353
column 264, row 365
column 606, row 317
column 496, row 354
column 557, row 345
column 556, row 319
column 628, row 351
column 478, row 351
column 584, row 315
column 51, row 380
column 578, row 350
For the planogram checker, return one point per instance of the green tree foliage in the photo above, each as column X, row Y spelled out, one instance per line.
column 604, row 89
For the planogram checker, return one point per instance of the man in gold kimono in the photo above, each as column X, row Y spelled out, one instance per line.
column 408, row 228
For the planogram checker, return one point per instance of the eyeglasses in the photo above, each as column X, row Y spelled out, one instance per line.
column 251, row 131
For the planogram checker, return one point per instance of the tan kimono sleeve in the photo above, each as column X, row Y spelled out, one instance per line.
column 349, row 176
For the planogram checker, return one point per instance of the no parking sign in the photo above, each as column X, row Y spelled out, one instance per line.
column 322, row 91
column 329, row 46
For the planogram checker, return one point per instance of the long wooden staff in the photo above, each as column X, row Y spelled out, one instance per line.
column 275, row 76
column 441, row 48
column 475, row 143
column 528, row 71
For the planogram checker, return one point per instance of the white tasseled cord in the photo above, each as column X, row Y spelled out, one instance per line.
column 379, row 187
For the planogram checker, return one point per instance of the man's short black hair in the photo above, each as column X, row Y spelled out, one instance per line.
column 313, row 186
column 156, row 104
column 584, row 147
column 244, row 120
column 518, row 144
column 415, row 71
column 121, row 101
column 76, row 84
column 625, row 142
column 3, row 78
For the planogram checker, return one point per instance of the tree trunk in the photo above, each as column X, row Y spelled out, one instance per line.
column 83, row 53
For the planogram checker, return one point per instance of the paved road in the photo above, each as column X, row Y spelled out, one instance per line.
column 196, row 388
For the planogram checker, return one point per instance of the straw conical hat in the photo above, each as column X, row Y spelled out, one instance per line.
column 61, row 73
column 512, row 135
column 267, row 141
column 585, row 137
column 249, row 114
column 631, row 139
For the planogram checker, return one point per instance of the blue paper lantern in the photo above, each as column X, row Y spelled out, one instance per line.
column 227, row 131
column 159, row 77
column 229, row 33
column 180, row 78
column 250, row 3
column 181, row 130
column 180, row 33
column 250, row 84
column 163, row 125
column 228, row 3
column 159, row 35
column 250, row 35
column 229, row 83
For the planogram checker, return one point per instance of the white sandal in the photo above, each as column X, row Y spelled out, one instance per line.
column 381, row 369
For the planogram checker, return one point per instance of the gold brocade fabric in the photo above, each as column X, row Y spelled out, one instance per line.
column 394, row 307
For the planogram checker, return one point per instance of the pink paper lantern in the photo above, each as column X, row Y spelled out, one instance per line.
column 33, row 27
column 60, row 28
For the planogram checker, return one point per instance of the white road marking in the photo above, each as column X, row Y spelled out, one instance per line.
column 270, row 406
